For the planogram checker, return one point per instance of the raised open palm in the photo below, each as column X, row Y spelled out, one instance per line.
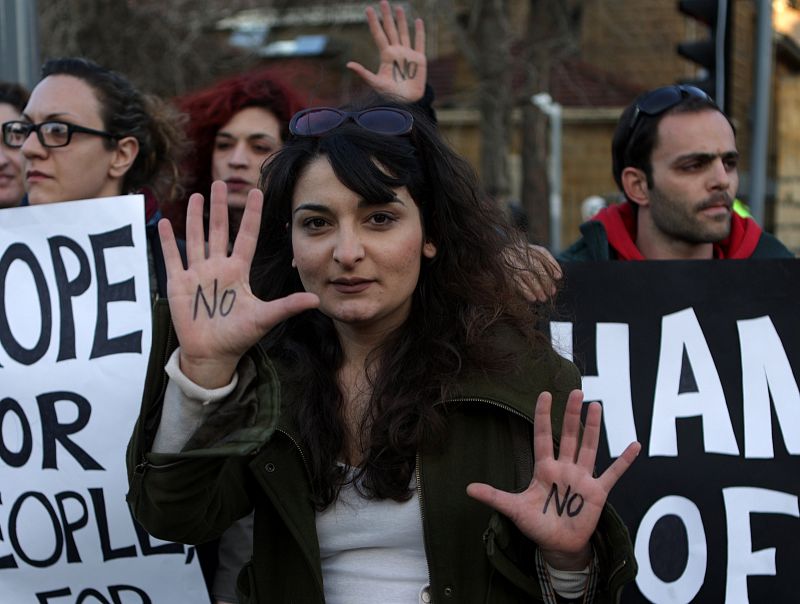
column 216, row 315
column 560, row 508
column 403, row 69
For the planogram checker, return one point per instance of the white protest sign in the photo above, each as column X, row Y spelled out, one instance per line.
column 74, row 342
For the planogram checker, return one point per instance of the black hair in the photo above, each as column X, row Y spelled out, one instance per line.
column 465, row 309
column 14, row 94
column 634, row 147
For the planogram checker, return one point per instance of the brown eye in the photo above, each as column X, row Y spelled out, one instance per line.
column 381, row 219
column 314, row 223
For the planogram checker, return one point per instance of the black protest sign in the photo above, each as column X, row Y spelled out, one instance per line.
column 699, row 361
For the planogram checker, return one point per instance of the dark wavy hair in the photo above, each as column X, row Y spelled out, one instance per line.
column 126, row 111
column 211, row 108
column 14, row 94
column 465, row 306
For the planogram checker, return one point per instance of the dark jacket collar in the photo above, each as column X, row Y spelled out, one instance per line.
column 619, row 221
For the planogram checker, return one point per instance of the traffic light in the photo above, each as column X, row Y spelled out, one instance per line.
column 709, row 53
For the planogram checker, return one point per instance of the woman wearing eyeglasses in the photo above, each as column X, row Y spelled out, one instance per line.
column 87, row 132
column 363, row 371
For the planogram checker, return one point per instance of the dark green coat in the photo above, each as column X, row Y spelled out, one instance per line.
column 474, row 555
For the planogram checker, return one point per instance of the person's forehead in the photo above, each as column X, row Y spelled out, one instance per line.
column 8, row 112
column 65, row 96
column 695, row 132
column 256, row 120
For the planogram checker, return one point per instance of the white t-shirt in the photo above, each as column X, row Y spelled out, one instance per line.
column 372, row 550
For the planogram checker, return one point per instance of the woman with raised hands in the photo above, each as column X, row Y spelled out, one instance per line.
column 235, row 126
column 362, row 370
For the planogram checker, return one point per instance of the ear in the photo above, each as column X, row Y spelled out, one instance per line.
column 634, row 183
column 124, row 155
column 429, row 249
column 294, row 263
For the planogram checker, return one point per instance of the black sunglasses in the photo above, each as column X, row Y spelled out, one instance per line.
column 662, row 99
column 50, row 134
column 316, row 121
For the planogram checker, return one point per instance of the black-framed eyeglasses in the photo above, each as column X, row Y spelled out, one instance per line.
column 51, row 133
column 662, row 99
column 316, row 121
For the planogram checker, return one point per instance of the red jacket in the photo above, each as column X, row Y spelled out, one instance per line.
column 611, row 234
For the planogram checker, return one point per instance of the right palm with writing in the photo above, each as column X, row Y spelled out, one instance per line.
column 215, row 314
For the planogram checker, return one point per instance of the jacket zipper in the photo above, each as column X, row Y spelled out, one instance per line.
column 297, row 446
column 617, row 569
column 141, row 469
column 509, row 408
column 308, row 473
column 418, row 470
column 492, row 402
column 418, row 473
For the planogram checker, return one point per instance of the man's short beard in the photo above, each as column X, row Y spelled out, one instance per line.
column 680, row 220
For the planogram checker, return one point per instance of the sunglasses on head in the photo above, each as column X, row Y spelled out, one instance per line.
column 316, row 121
column 662, row 99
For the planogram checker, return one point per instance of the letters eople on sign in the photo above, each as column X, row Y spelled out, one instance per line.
column 74, row 340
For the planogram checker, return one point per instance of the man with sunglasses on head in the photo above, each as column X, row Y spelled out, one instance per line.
column 675, row 160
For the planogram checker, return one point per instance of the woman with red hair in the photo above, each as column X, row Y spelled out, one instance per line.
column 235, row 125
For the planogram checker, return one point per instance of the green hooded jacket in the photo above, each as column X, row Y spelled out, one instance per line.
column 474, row 554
